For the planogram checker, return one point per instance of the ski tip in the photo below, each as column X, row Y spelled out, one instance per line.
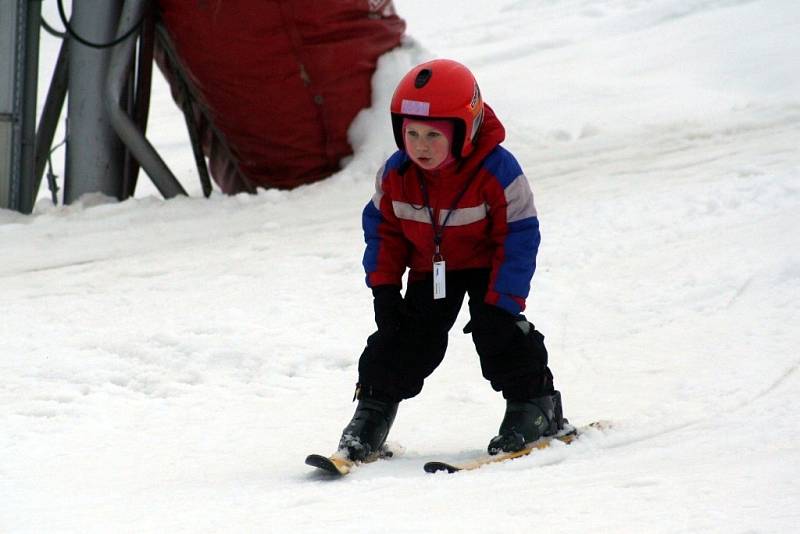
column 436, row 467
column 326, row 464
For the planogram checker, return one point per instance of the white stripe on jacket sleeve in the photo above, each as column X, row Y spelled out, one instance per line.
column 520, row 200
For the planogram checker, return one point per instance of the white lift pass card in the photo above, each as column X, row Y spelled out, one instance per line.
column 439, row 290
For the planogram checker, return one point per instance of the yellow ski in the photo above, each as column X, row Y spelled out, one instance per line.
column 568, row 435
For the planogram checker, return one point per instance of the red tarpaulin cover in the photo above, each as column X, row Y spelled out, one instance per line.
column 281, row 79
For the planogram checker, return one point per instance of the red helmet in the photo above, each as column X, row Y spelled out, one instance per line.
column 440, row 89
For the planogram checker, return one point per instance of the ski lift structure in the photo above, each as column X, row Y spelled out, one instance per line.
column 104, row 72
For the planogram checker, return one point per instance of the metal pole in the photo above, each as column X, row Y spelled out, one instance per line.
column 19, row 64
column 194, row 138
column 140, row 108
column 28, row 127
column 140, row 147
column 13, row 15
column 51, row 112
column 94, row 152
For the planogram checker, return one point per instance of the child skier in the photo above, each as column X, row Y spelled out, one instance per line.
column 453, row 207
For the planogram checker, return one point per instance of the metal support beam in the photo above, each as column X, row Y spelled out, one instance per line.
column 19, row 64
column 185, row 102
column 139, row 105
column 8, row 98
column 132, row 136
column 51, row 112
column 94, row 152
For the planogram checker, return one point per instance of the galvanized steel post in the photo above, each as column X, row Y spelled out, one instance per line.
column 94, row 152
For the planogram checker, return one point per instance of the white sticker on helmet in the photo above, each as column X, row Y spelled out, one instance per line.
column 414, row 107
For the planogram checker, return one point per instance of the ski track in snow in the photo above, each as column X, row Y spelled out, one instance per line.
column 166, row 366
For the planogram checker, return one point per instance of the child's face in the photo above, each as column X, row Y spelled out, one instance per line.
column 427, row 146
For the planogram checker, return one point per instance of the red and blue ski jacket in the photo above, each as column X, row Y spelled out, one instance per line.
column 493, row 223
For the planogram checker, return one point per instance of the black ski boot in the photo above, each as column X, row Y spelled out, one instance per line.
column 527, row 421
column 367, row 431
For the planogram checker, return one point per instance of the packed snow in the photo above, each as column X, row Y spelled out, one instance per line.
column 166, row 366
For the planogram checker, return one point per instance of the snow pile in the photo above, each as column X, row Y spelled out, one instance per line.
column 166, row 366
column 371, row 134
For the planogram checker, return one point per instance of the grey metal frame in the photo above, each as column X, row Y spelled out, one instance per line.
column 19, row 63
column 120, row 65
column 51, row 112
column 94, row 153
column 98, row 83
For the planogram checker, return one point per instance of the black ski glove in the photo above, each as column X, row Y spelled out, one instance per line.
column 388, row 308
column 487, row 318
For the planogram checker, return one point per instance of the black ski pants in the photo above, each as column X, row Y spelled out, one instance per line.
column 512, row 354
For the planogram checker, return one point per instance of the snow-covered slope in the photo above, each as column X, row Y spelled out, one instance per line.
column 166, row 366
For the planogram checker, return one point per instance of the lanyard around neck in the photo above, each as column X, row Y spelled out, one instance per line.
column 438, row 231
